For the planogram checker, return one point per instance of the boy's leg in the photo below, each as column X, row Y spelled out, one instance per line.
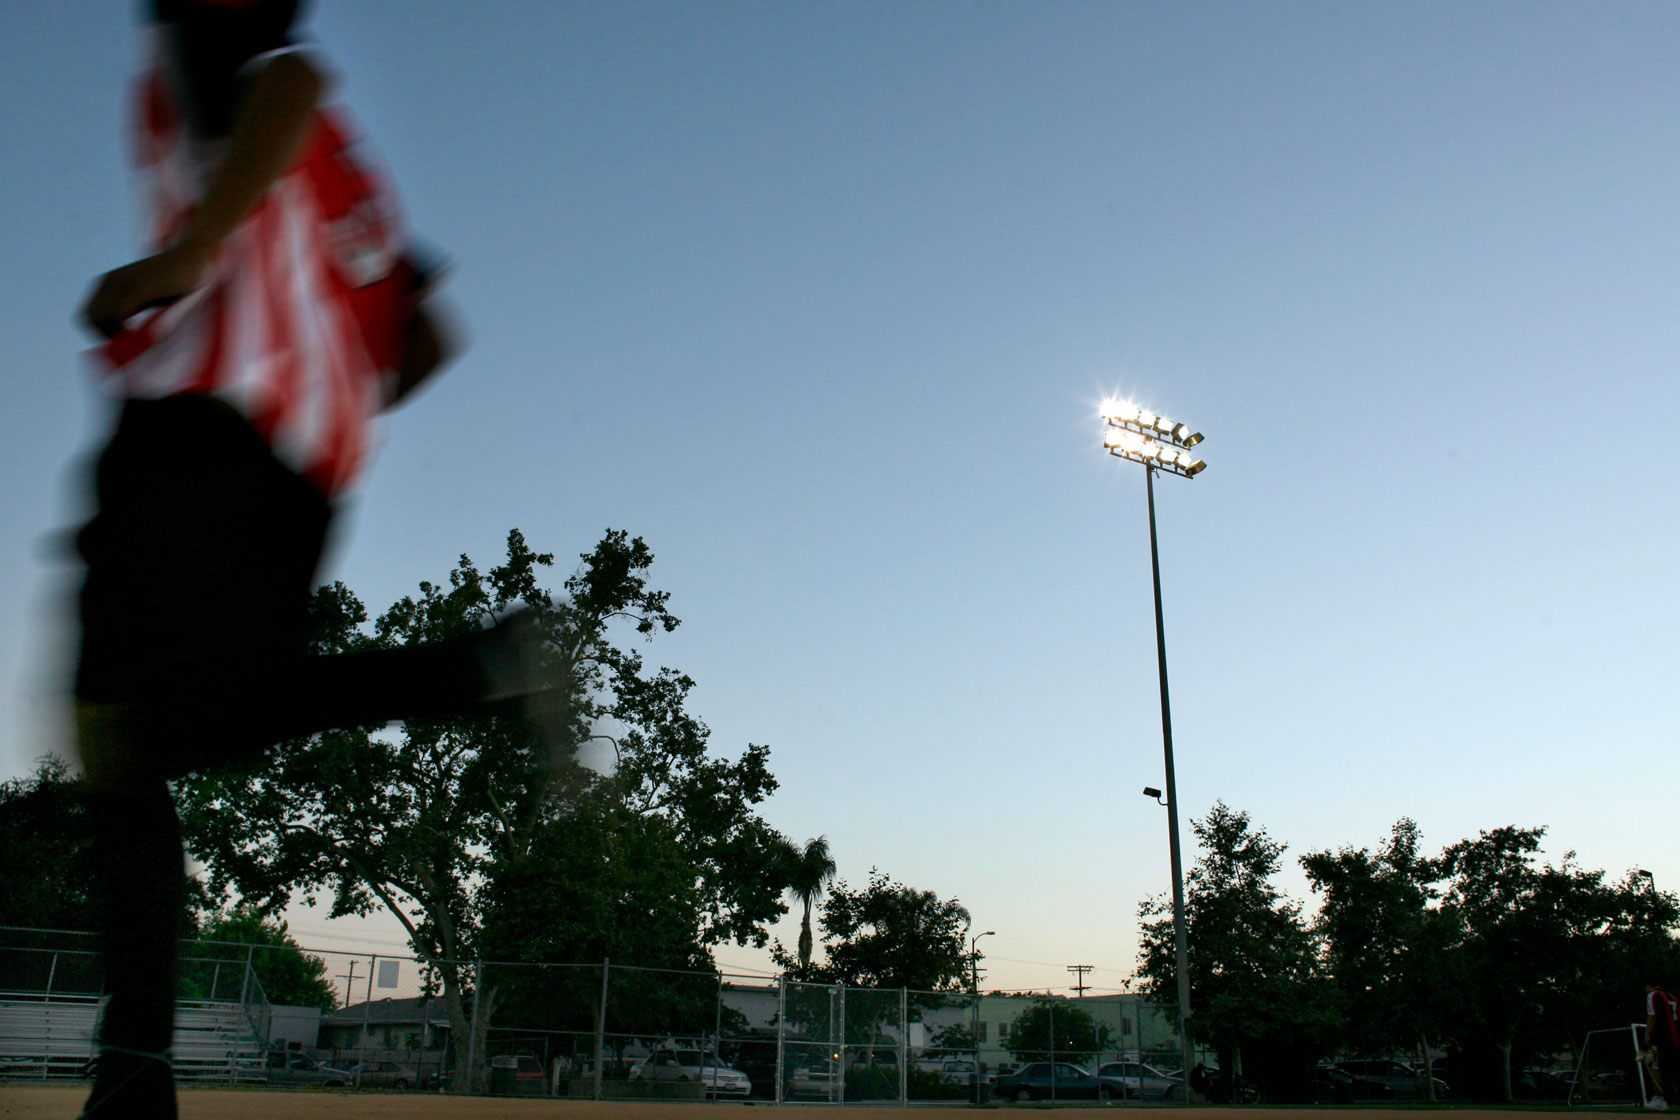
column 141, row 898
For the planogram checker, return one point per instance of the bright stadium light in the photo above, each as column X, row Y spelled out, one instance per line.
column 1143, row 437
column 1129, row 417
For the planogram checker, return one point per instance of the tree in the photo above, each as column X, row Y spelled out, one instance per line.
column 1389, row 949
column 1545, row 949
column 1255, row 979
column 287, row 974
column 605, row 883
column 419, row 820
column 46, row 869
column 885, row 936
column 1056, row 1029
column 955, row 1040
column 888, row 935
column 810, row 870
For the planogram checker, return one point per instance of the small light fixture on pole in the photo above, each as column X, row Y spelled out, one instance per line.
column 974, row 974
column 1647, row 876
column 1160, row 444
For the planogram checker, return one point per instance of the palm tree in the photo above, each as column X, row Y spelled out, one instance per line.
column 810, row 870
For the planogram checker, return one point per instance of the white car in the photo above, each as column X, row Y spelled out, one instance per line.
column 692, row 1066
column 820, row 1079
column 1144, row 1082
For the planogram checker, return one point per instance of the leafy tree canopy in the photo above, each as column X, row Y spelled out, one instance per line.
column 1056, row 1028
column 1388, row 945
column 425, row 820
column 1254, row 964
column 888, row 935
column 46, row 870
column 286, row 973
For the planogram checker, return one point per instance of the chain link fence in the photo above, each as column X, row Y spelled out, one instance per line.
column 604, row 1030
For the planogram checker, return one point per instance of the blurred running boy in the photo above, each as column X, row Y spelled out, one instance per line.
column 278, row 312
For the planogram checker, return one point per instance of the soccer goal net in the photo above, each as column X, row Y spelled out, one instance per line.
column 1610, row 1070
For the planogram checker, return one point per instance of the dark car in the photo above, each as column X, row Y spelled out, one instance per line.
column 1058, row 1081
column 289, row 1067
column 1381, row 1079
column 1330, row 1085
column 1542, row 1085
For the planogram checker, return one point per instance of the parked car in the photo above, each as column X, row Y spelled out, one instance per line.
column 1062, row 1081
column 957, row 1070
column 1543, row 1085
column 1380, row 1079
column 1330, row 1085
column 292, row 1067
column 1143, row 1081
column 388, row 1075
column 692, row 1066
column 820, row 1080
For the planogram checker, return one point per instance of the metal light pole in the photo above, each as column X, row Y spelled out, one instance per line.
column 1161, row 444
column 974, row 983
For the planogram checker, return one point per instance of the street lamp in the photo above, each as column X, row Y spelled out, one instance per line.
column 1160, row 444
column 974, row 974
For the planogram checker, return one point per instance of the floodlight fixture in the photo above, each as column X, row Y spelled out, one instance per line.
column 1126, row 415
column 1151, row 791
column 1124, row 443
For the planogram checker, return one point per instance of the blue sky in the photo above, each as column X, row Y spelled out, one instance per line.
column 821, row 299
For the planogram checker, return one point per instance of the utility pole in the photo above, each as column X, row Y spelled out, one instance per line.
column 349, row 979
column 1079, row 971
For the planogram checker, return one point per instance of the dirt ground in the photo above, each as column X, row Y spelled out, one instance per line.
column 34, row 1102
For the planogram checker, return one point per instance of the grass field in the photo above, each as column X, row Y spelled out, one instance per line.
column 57, row 1102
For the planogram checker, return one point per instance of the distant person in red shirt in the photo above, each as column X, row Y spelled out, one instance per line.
column 279, row 310
column 1662, row 1036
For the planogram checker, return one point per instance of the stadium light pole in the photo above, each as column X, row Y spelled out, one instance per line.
column 1159, row 444
column 974, row 973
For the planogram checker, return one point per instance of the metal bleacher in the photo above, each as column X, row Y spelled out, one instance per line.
column 53, row 1039
column 48, row 1027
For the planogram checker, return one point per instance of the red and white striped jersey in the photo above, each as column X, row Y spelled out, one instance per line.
column 300, row 320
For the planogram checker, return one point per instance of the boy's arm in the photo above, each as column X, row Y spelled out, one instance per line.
column 429, row 343
column 272, row 124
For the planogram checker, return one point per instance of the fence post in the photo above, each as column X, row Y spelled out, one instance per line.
column 903, row 1047
column 367, row 1011
column 601, row 1026
column 1052, row 1006
column 245, row 983
column 840, row 1062
column 52, row 974
column 717, row 1038
column 781, row 1032
column 472, row 1038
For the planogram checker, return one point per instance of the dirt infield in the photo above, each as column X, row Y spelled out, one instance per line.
column 33, row 1102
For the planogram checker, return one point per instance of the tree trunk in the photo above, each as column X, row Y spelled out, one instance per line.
column 1505, row 1067
column 805, row 943
column 1428, row 1067
column 460, row 1028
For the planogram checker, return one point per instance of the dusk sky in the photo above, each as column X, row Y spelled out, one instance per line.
column 821, row 300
